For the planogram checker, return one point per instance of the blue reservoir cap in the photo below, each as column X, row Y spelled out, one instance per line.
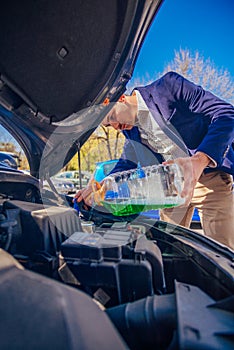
column 140, row 171
column 75, row 205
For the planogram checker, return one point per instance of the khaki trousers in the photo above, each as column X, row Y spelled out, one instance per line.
column 214, row 199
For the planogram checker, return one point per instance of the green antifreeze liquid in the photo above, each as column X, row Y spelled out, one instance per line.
column 121, row 208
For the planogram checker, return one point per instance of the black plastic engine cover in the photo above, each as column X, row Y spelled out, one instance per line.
column 42, row 228
column 114, row 267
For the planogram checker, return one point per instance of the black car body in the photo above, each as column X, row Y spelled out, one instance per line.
column 133, row 283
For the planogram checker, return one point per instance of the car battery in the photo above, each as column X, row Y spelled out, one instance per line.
column 113, row 266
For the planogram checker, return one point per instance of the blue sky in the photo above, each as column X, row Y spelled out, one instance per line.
column 206, row 26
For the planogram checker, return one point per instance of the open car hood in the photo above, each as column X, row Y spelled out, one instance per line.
column 59, row 61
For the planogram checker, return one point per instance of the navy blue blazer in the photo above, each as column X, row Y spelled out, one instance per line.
column 192, row 117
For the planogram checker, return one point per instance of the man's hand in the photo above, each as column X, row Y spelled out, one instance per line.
column 87, row 194
column 192, row 168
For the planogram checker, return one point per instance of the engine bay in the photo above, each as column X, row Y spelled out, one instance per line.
column 148, row 277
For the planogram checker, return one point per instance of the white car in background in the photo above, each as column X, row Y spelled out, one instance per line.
column 74, row 177
column 62, row 186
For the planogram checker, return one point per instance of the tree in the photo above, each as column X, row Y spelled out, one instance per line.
column 201, row 71
column 112, row 140
column 103, row 144
column 7, row 147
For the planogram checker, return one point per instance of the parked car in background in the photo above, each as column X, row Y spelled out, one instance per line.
column 74, row 177
column 10, row 159
column 62, row 185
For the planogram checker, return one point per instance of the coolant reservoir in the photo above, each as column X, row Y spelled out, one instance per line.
column 141, row 189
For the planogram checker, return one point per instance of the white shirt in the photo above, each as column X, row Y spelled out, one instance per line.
column 152, row 135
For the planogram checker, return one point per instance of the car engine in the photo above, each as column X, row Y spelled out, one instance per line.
column 147, row 277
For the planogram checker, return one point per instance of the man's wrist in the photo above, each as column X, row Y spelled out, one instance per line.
column 203, row 158
column 212, row 163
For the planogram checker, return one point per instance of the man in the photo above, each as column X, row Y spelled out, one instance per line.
column 175, row 120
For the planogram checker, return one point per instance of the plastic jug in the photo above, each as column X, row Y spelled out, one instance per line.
column 141, row 189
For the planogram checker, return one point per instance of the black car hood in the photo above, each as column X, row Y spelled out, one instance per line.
column 59, row 61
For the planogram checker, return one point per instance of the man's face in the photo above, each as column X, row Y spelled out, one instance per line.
column 120, row 117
